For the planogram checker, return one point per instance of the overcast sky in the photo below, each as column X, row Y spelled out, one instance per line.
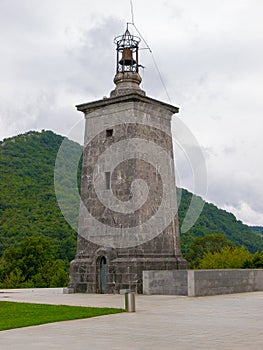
column 55, row 54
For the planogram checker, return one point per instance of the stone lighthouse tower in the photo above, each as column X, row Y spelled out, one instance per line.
column 128, row 219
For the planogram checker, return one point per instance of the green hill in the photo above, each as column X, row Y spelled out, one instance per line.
column 257, row 229
column 28, row 205
column 213, row 221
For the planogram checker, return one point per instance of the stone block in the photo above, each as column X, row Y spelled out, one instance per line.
column 258, row 279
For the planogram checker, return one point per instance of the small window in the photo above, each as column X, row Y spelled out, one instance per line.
column 109, row 132
column 107, row 180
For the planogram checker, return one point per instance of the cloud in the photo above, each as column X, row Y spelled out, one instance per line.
column 44, row 75
column 56, row 54
column 249, row 216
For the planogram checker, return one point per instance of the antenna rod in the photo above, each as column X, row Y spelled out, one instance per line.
column 132, row 13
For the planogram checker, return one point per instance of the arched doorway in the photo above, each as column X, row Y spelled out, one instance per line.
column 102, row 277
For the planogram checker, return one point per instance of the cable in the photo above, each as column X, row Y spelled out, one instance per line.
column 140, row 35
column 148, row 47
column 155, row 63
column 161, row 78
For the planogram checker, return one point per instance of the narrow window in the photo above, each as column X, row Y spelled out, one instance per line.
column 109, row 132
column 107, row 180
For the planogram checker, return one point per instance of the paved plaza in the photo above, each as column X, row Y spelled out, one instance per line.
column 161, row 322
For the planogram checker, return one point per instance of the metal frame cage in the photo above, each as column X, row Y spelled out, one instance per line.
column 127, row 46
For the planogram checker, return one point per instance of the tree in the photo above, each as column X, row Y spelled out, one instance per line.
column 255, row 261
column 32, row 264
column 226, row 258
column 213, row 243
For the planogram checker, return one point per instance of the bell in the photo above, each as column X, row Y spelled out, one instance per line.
column 127, row 59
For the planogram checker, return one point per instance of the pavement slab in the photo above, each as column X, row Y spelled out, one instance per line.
column 232, row 321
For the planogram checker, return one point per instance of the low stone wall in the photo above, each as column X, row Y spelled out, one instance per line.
column 202, row 282
column 166, row 282
column 213, row 282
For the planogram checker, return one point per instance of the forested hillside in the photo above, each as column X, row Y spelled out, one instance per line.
column 257, row 229
column 213, row 221
column 28, row 205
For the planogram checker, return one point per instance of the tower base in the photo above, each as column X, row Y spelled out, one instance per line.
column 89, row 276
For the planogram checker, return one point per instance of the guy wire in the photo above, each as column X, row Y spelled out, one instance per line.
column 148, row 47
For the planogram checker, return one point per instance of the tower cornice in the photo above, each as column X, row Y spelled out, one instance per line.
column 130, row 97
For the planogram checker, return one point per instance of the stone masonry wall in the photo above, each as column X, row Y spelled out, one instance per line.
column 202, row 282
column 173, row 282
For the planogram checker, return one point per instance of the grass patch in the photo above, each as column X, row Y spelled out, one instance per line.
column 16, row 315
